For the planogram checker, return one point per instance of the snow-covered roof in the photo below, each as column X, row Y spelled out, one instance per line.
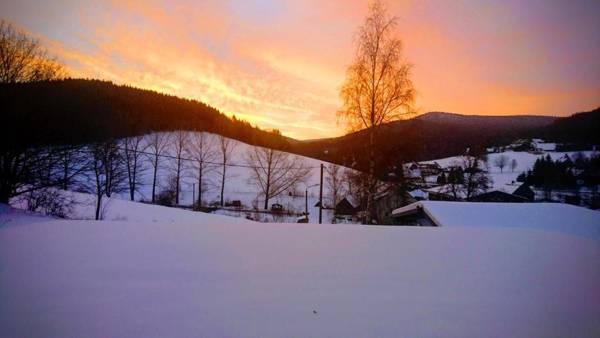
column 547, row 216
column 418, row 193
column 446, row 189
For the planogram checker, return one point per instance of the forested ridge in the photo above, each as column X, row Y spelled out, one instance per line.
column 76, row 111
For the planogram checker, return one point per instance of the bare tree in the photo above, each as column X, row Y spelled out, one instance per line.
column 180, row 143
column 23, row 59
column 455, row 182
column 108, row 174
column 71, row 163
column 97, row 169
column 333, row 181
column 49, row 201
column 202, row 150
column 226, row 147
column 467, row 178
column 25, row 169
column 501, row 162
column 378, row 88
column 513, row 165
column 274, row 172
column 157, row 144
column 133, row 149
column 477, row 180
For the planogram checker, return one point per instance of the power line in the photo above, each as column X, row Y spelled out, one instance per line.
column 183, row 158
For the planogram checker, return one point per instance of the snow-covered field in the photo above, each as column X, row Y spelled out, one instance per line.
column 201, row 275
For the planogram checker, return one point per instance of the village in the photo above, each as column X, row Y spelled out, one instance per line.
column 499, row 176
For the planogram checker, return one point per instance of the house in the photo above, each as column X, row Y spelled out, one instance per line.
column 525, row 191
column 387, row 201
column 412, row 171
column 563, row 218
column 507, row 193
column 430, row 169
column 446, row 193
column 346, row 208
column 417, row 170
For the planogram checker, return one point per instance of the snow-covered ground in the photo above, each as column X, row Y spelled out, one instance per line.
column 184, row 274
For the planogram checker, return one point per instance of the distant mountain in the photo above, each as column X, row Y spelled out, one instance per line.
column 439, row 134
column 511, row 121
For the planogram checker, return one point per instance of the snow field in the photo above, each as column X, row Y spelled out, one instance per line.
column 226, row 277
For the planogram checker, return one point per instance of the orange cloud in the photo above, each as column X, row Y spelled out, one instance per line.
column 280, row 64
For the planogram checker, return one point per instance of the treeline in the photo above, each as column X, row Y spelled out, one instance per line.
column 78, row 111
column 579, row 131
column 565, row 173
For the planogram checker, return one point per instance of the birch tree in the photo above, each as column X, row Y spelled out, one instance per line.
column 378, row 88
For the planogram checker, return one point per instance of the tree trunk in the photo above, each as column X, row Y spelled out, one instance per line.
column 133, row 179
column 65, row 181
column 371, row 178
column 98, row 206
column 223, row 185
column 154, row 179
column 199, row 186
column 177, row 178
column 268, row 186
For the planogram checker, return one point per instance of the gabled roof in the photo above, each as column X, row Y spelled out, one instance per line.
column 557, row 217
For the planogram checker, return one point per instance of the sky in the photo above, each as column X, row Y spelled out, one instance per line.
column 281, row 63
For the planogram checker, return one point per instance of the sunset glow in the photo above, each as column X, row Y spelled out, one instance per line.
column 280, row 64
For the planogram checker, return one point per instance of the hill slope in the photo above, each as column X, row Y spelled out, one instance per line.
column 81, row 111
column 429, row 136
column 579, row 128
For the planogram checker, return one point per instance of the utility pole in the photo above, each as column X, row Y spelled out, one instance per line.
column 321, row 196
column 306, row 202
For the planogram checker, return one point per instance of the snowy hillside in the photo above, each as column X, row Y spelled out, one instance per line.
column 238, row 185
column 506, row 180
column 211, row 276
